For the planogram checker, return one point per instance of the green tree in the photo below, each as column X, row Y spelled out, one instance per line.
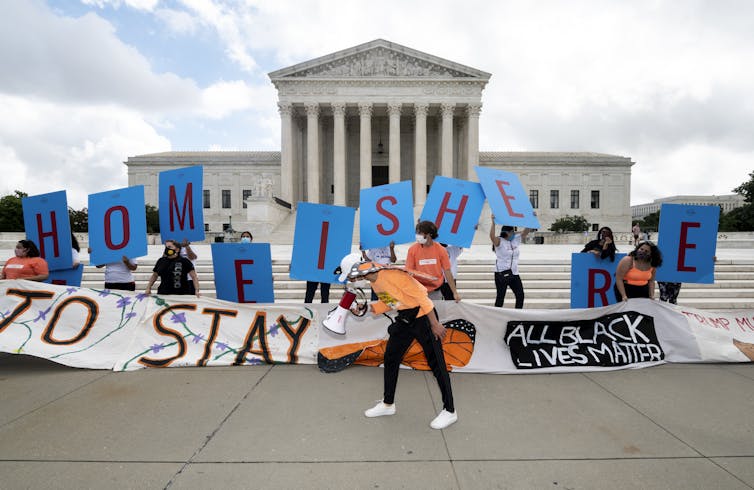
column 739, row 219
column 11, row 212
column 79, row 219
column 650, row 221
column 153, row 219
column 747, row 189
column 570, row 223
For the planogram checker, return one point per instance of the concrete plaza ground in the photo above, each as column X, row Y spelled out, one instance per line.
column 288, row 426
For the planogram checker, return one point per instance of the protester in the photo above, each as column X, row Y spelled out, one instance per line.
column 507, row 247
column 119, row 275
column 188, row 253
column 75, row 249
column 604, row 246
column 380, row 255
column 27, row 263
column 311, row 288
column 635, row 275
column 453, row 252
column 416, row 320
column 430, row 258
column 246, row 237
column 174, row 271
column 636, row 231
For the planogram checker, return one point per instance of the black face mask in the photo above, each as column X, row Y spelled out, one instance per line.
column 169, row 252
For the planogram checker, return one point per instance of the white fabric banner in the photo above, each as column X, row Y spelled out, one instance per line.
column 120, row 330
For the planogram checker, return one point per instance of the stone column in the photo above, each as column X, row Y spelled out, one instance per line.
column 286, row 152
column 313, row 170
column 420, row 154
column 472, row 139
column 339, row 153
column 365, row 146
column 446, row 153
column 394, row 157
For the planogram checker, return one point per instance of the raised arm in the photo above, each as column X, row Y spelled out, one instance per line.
column 495, row 239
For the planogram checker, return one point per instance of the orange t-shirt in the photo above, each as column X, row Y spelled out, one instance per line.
column 398, row 289
column 432, row 260
column 23, row 267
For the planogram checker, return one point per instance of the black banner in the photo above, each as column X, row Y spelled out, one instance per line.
column 617, row 339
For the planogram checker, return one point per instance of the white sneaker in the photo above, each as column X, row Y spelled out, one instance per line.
column 444, row 419
column 380, row 409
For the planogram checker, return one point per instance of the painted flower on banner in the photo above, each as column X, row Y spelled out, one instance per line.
column 221, row 346
column 104, row 293
column 141, row 296
column 178, row 318
column 70, row 291
column 123, row 302
column 42, row 314
column 274, row 329
column 156, row 348
column 130, row 315
column 254, row 361
column 198, row 338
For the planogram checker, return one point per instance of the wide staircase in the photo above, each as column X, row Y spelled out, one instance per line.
column 547, row 284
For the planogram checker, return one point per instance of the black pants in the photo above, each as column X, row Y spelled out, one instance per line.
column 669, row 291
column 398, row 344
column 447, row 293
column 514, row 281
column 311, row 288
column 122, row 286
column 632, row 291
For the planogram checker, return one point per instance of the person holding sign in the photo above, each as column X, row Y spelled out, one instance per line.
column 604, row 246
column 507, row 247
column 246, row 237
column 430, row 258
column 27, row 264
column 119, row 275
column 188, row 253
column 173, row 271
column 416, row 321
column 635, row 275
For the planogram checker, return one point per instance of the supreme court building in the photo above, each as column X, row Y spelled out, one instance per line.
column 381, row 113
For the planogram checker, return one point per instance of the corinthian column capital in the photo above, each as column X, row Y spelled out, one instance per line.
column 394, row 108
column 365, row 109
column 473, row 110
column 338, row 108
column 448, row 110
column 285, row 108
column 312, row 108
column 420, row 109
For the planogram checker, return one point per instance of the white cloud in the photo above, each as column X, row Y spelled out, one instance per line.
column 81, row 149
column 223, row 98
column 147, row 5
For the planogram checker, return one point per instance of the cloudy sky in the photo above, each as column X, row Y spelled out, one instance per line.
column 87, row 83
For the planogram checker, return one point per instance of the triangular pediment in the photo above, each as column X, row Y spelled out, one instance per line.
column 379, row 59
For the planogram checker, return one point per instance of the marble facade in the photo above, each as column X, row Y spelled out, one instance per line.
column 380, row 113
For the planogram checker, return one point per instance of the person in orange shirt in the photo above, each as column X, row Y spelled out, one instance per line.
column 27, row 264
column 416, row 319
column 635, row 274
column 431, row 258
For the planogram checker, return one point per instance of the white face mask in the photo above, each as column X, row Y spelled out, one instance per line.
column 421, row 239
column 245, row 239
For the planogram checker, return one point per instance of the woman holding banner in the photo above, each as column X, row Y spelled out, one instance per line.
column 507, row 248
column 635, row 275
column 173, row 271
column 27, row 264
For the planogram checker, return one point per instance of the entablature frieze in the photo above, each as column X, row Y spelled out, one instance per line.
column 374, row 89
